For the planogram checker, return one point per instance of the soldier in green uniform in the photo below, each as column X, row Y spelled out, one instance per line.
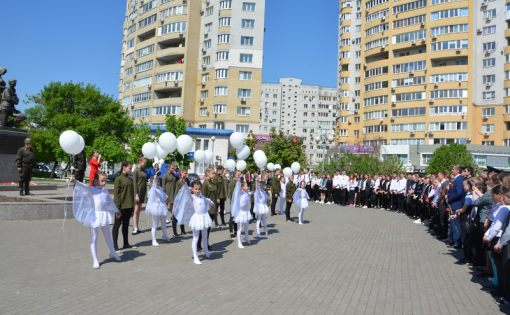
column 290, row 189
column 140, row 187
column 124, row 198
column 275, row 191
column 169, row 184
column 222, row 193
column 25, row 161
column 210, row 190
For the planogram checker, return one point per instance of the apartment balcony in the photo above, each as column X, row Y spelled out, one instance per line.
column 171, row 64
column 165, row 98
column 507, row 32
column 170, row 52
column 345, row 61
column 170, row 37
column 449, row 54
column 507, row 84
column 507, row 15
column 447, row 69
column 168, row 86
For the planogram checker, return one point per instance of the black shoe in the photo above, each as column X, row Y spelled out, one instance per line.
column 199, row 249
column 128, row 246
column 21, row 193
column 27, row 193
column 210, row 248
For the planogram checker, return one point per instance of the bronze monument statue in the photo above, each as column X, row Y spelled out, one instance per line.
column 9, row 115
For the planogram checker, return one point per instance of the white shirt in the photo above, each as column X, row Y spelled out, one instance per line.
column 394, row 185
column 282, row 189
column 244, row 202
column 344, row 182
column 336, row 181
column 377, row 184
column 402, row 183
column 201, row 204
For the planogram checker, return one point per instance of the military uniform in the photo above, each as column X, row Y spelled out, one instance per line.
column 140, row 184
column 275, row 192
column 169, row 185
column 25, row 162
column 222, row 195
column 210, row 190
column 290, row 189
column 124, row 198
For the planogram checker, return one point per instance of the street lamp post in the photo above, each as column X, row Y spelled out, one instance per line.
column 324, row 139
column 213, row 138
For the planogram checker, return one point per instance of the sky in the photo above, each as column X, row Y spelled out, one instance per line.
column 80, row 41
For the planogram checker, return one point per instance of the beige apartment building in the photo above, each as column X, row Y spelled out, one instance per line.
column 424, row 72
column 198, row 59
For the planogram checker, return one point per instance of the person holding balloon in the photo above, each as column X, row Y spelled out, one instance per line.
column 210, row 191
column 232, row 226
column 95, row 162
column 261, row 209
column 169, row 185
column 124, row 198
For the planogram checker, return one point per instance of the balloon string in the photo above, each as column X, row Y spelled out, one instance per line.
column 65, row 205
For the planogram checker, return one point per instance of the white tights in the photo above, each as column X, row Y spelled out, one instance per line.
column 261, row 218
column 194, row 243
column 240, row 228
column 301, row 214
column 158, row 220
column 93, row 243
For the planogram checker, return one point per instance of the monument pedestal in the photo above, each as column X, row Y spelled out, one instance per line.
column 11, row 139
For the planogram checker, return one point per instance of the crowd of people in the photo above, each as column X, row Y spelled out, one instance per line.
column 469, row 213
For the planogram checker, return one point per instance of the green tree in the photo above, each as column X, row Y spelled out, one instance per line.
column 361, row 164
column 82, row 108
column 111, row 149
column 449, row 155
column 140, row 135
column 284, row 149
column 177, row 126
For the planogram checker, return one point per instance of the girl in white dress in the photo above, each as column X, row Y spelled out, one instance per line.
column 301, row 200
column 157, row 208
column 261, row 209
column 200, row 220
column 283, row 202
column 241, row 210
column 94, row 208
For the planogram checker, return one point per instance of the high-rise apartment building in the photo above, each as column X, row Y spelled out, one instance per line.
column 305, row 111
column 424, row 72
column 198, row 59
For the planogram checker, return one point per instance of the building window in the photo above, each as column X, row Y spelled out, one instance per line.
column 144, row 51
column 169, row 76
column 225, row 4
column 242, row 128
column 489, row 95
column 426, row 158
column 221, row 73
column 455, row 93
column 224, row 21
column 203, row 112
column 487, row 142
column 222, row 55
column 489, row 46
column 207, row 43
column 141, row 97
column 487, row 30
column 167, row 110
column 448, row 110
column 147, row 21
column 489, row 111
column 245, row 75
column 480, row 160
column 177, row 27
column 450, row 13
column 223, row 39
column 248, row 23
column 447, row 126
column 249, row 6
column 142, row 82
column 243, row 111
column 489, row 62
column 247, row 40
column 142, row 112
column 451, row 44
column 488, row 128
column 220, row 108
column 244, row 93
column 219, row 125
column 221, row 91
column 246, row 58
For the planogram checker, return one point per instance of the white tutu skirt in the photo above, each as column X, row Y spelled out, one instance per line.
column 261, row 209
column 304, row 203
column 200, row 222
column 156, row 208
column 242, row 217
column 100, row 218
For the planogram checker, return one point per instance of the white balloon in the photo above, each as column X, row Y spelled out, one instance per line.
column 168, row 142
column 70, row 142
column 237, row 140
column 295, row 167
column 161, row 162
column 161, row 153
column 261, row 161
column 184, row 144
column 258, row 153
column 199, row 156
column 244, row 153
column 208, row 157
column 287, row 172
column 277, row 167
column 231, row 165
column 82, row 143
column 241, row 165
column 270, row 167
column 149, row 150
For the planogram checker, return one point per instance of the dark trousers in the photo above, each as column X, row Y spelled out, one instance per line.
column 308, row 189
column 287, row 210
column 25, row 175
column 479, row 253
column 232, row 226
column 316, row 193
column 443, row 223
column 79, row 175
column 221, row 209
column 125, row 216
column 174, row 226
column 336, row 196
column 274, row 199
column 199, row 245
column 344, row 197
column 505, row 270
column 352, row 197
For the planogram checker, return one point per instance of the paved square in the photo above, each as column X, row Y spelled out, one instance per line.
column 345, row 261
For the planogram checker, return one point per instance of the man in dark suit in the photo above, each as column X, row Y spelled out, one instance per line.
column 455, row 199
